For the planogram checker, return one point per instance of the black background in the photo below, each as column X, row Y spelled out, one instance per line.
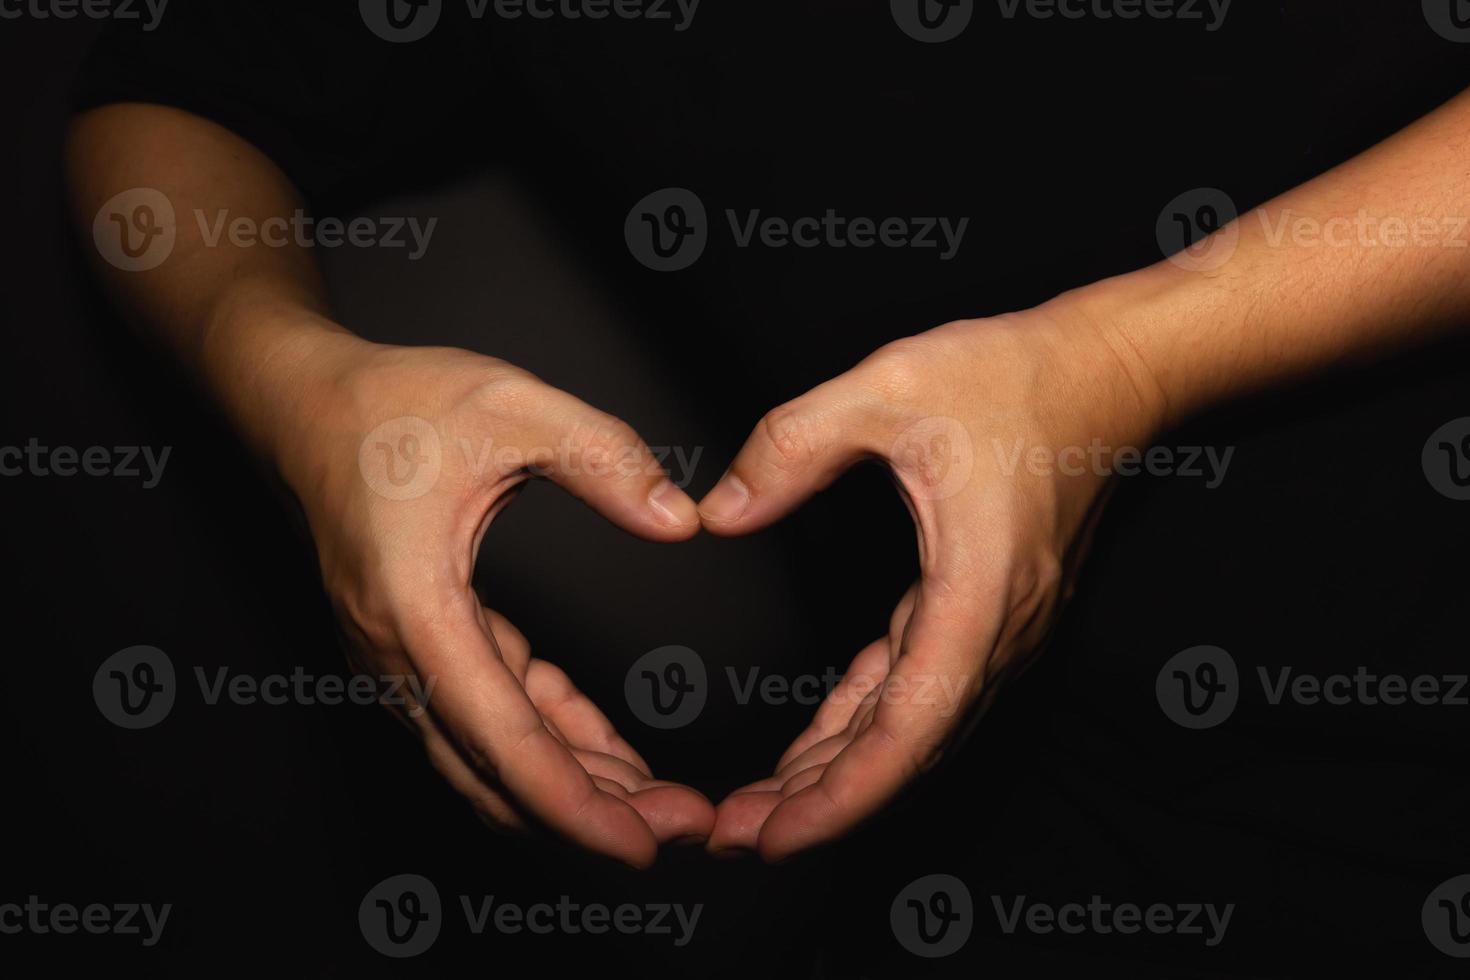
column 1325, row 548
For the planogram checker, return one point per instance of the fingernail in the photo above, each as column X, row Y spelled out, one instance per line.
column 670, row 505
column 727, row 501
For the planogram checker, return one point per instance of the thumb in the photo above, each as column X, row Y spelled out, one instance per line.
column 796, row 450
column 601, row 460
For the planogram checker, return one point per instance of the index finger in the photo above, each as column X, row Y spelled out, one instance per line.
column 921, row 701
column 481, row 705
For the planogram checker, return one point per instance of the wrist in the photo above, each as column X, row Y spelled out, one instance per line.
column 1100, row 382
column 277, row 369
column 1160, row 326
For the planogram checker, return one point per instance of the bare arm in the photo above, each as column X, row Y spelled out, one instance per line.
column 400, row 457
column 987, row 424
column 1372, row 255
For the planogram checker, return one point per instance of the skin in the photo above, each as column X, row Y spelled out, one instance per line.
column 508, row 731
column 1118, row 361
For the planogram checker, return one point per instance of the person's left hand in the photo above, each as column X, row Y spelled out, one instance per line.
column 964, row 416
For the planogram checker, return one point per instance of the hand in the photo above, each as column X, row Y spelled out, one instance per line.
column 955, row 414
column 406, row 456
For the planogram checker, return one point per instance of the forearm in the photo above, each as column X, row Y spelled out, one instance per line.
column 245, row 317
column 1370, row 256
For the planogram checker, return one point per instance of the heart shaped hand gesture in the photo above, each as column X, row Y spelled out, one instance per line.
column 429, row 445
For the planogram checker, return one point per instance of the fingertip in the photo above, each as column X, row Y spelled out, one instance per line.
column 804, row 819
column 672, row 508
column 738, row 821
column 642, row 861
column 773, row 850
column 613, row 827
column 641, row 852
column 724, row 506
column 674, row 812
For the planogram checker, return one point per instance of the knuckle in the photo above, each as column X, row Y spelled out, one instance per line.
column 604, row 445
column 791, row 436
column 602, row 431
column 899, row 372
column 505, row 392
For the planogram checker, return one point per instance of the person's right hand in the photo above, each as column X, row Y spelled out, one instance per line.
column 404, row 457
